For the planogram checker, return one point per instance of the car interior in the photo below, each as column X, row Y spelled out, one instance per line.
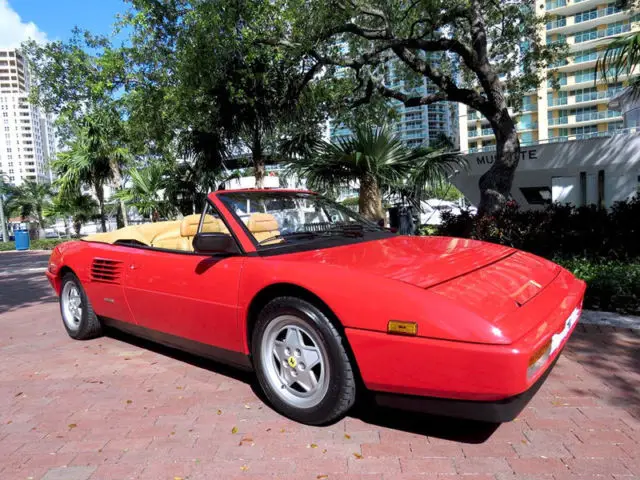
column 178, row 234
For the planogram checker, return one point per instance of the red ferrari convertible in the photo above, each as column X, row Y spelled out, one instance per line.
column 323, row 303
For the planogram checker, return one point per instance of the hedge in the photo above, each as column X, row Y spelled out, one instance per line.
column 601, row 247
column 45, row 244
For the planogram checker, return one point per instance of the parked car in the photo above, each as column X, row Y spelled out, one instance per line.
column 322, row 303
column 431, row 210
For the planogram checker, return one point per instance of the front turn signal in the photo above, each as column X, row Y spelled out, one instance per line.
column 402, row 328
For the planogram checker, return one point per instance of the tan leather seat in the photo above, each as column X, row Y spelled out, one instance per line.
column 263, row 226
column 189, row 227
column 171, row 235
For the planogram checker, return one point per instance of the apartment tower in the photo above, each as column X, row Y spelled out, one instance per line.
column 26, row 133
column 580, row 107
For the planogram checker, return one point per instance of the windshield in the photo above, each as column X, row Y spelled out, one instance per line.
column 283, row 217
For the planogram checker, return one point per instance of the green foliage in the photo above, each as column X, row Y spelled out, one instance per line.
column 558, row 231
column 31, row 199
column 202, row 68
column 44, row 244
column 146, row 191
column 621, row 57
column 601, row 247
column 613, row 286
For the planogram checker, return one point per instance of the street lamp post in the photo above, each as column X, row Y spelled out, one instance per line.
column 5, row 233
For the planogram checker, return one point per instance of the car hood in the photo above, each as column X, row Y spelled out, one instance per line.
column 420, row 261
column 490, row 281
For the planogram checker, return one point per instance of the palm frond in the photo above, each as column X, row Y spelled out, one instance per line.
column 621, row 57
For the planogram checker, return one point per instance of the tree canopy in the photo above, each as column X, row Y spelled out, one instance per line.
column 481, row 53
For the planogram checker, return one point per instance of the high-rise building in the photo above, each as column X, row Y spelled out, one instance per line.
column 26, row 133
column 579, row 107
column 414, row 125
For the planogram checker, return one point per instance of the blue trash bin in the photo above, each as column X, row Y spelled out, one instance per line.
column 22, row 239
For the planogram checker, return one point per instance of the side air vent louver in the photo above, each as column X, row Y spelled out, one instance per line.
column 106, row 271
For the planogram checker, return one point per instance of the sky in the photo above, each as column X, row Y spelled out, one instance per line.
column 45, row 20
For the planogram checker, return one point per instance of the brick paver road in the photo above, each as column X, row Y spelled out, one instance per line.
column 120, row 408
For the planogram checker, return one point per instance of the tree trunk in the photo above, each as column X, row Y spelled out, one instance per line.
column 258, row 159
column 117, row 180
column 495, row 184
column 41, row 233
column 77, row 226
column 100, row 195
column 370, row 199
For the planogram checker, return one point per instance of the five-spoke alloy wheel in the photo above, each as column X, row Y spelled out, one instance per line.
column 78, row 316
column 301, row 362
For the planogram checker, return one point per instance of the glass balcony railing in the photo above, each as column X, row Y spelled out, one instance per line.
column 487, row 131
column 589, row 116
column 473, row 134
column 556, row 23
column 553, row 4
column 559, row 121
column 527, row 126
column 554, row 102
column 591, row 96
column 589, row 36
column 591, row 15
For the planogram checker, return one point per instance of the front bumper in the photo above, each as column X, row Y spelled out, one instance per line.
column 498, row 411
column 452, row 378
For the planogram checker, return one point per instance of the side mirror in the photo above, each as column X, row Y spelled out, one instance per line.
column 212, row 243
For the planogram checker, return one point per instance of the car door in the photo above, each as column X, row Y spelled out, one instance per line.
column 185, row 294
column 104, row 278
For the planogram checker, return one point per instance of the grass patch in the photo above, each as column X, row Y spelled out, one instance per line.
column 45, row 244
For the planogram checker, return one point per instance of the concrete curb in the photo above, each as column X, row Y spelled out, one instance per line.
column 610, row 319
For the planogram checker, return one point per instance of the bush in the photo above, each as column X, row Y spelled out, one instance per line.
column 612, row 286
column 599, row 246
column 45, row 244
column 557, row 231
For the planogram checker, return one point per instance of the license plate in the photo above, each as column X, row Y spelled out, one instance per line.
column 559, row 337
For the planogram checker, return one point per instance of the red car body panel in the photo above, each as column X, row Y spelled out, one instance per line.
column 482, row 310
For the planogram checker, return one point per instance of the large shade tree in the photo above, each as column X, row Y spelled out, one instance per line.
column 481, row 53
column 226, row 91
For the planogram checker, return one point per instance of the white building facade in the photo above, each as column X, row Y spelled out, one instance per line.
column 27, row 140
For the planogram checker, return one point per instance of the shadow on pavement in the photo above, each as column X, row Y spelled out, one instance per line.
column 613, row 355
column 24, row 289
column 465, row 431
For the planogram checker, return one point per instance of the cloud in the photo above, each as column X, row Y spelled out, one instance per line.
column 13, row 31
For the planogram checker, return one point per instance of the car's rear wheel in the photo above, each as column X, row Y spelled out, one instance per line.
column 301, row 362
column 78, row 316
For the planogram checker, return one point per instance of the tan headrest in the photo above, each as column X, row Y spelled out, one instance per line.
column 262, row 222
column 189, row 225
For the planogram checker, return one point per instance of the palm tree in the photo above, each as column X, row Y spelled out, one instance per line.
column 60, row 208
column 621, row 57
column 376, row 159
column 104, row 129
column 147, row 191
column 83, row 209
column 94, row 158
column 32, row 198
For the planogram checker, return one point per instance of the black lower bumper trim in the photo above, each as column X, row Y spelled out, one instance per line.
column 496, row 412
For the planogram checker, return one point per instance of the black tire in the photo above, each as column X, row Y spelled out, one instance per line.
column 341, row 392
column 89, row 325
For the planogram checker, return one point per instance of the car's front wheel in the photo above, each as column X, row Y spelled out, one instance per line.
column 301, row 362
column 78, row 316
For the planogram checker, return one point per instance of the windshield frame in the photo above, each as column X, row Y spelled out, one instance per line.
column 225, row 197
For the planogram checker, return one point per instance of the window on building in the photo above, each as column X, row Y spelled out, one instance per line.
column 536, row 195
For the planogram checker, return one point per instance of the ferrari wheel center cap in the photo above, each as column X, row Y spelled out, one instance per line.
column 292, row 362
